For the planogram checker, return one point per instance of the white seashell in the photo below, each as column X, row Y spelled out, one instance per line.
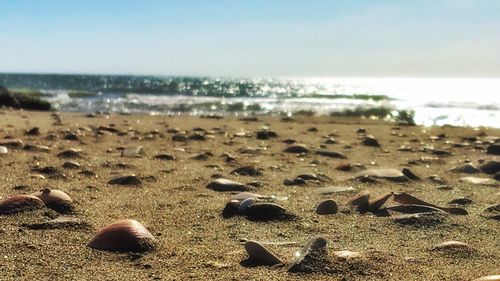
column 3, row 150
column 245, row 204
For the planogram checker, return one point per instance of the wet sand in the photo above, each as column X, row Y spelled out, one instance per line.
column 194, row 241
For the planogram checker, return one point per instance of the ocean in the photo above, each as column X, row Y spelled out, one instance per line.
column 434, row 101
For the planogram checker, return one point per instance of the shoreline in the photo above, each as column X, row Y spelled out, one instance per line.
column 194, row 241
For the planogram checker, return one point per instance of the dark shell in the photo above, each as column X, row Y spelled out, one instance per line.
column 327, row 207
column 409, row 174
column 490, row 167
column 222, row 184
column 126, row 180
column 296, row 149
column 414, row 209
column 70, row 153
column 20, row 203
column 164, row 157
column 493, row 149
column 265, row 211
column 370, row 141
column 331, row 154
column 420, row 220
column 247, row 171
column 123, row 236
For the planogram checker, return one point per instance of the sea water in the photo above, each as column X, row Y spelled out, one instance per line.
column 435, row 101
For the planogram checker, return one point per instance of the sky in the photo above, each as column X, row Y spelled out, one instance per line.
column 253, row 38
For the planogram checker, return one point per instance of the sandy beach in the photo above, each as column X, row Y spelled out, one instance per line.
column 192, row 239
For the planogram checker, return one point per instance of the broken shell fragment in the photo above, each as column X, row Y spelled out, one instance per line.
column 488, row 278
column 20, row 203
column 491, row 212
column 360, row 201
column 260, row 255
column 123, row 236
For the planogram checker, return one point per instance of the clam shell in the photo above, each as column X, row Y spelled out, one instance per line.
column 123, row 236
column 70, row 153
column 479, row 181
column 491, row 212
column 20, row 203
column 389, row 174
column 55, row 199
column 299, row 148
column 347, row 254
column 360, row 201
column 327, row 207
column 260, row 254
column 264, row 211
column 3, row 150
column 414, row 209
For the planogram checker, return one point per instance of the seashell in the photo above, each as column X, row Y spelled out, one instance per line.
column 389, row 174
column 327, row 207
column 299, row 148
column 245, row 204
column 247, row 171
column 310, row 258
column 70, row 153
column 360, row 201
column 409, row 174
column 71, row 165
column 132, row 151
column 20, row 203
column 126, row 180
column 56, row 200
column 123, row 236
column 490, row 167
column 3, row 150
column 333, row 189
column 466, row 169
column 245, row 195
column 264, row 211
column 231, row 209
column 347, row 255
column 461, row 201
column 405, row 198
column 488, row 278
column 11, row 143
column 164, row 157
column 454, row 246
column 420, row 219
column 260, row 255
column 491, row 212
column 413, row 209
column 331, row 154
column 479, row 181
column 374, row 205
column 227, row 185
column 370, row 140
column 307, row 177
column 493, row 149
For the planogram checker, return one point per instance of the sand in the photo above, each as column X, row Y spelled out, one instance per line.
column 193, row 240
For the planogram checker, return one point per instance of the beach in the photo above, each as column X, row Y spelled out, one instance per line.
column 192, row 238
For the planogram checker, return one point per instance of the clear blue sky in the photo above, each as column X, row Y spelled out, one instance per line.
column 439, row 38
